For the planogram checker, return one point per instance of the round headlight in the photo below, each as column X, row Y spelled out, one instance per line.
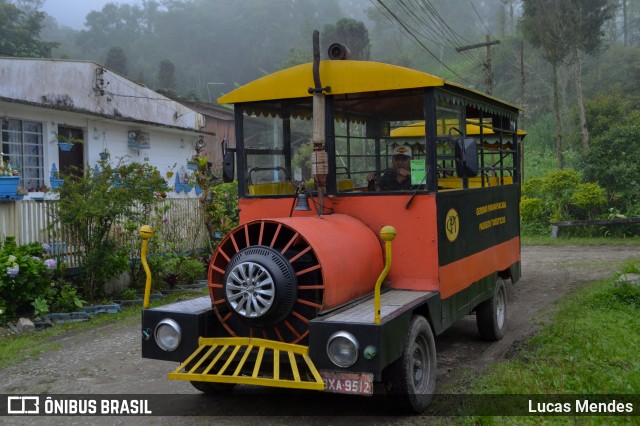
column 342, row 349
column 168, row 334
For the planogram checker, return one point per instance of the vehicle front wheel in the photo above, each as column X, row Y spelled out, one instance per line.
column 491, row 315
column 412, row 378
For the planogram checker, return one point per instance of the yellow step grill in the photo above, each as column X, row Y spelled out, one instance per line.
column 250, row 361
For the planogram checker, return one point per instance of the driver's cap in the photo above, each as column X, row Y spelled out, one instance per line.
column 401, row 150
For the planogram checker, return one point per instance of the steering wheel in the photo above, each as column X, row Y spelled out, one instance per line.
column 371, row 186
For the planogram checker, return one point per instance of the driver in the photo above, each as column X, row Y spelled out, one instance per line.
column 397, row 178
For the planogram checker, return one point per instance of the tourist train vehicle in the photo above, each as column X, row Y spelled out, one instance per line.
column 330, row 283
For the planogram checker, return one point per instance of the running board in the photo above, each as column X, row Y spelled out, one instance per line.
column 250, row 361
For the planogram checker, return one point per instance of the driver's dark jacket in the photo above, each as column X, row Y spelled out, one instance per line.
column 388, row 182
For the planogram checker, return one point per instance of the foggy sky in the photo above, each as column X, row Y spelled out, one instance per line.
column 71, row 13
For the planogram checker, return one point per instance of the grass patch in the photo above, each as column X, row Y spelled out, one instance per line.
column 589, row 348
column 15, row 349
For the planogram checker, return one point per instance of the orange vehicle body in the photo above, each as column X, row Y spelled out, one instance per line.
column 415, row 250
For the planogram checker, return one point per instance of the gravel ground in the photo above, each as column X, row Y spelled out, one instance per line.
column 106, row 359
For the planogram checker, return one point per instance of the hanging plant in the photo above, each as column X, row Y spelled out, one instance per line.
column 65, row 143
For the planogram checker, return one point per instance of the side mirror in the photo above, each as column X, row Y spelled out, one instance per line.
column 466, row 158
column 228, row 163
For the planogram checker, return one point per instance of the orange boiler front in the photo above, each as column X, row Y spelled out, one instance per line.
column 349, row 253
column 270, row 277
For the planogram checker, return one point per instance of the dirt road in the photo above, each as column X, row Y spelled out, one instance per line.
column 106, row 359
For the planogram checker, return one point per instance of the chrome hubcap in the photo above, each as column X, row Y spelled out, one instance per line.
column 250, row 290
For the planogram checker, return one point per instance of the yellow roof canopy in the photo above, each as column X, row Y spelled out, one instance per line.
column 416, row 129
column 341, row 76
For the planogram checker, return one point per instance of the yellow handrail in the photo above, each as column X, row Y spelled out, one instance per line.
column 387, row 233
column 146, row 232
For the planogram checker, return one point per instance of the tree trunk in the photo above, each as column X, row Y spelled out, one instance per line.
column 583, row 116
column 556, row 110
column 624, row 22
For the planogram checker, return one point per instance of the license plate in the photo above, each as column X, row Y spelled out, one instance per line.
column 351, row 383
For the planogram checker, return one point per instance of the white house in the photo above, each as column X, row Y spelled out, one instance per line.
column 44, row 101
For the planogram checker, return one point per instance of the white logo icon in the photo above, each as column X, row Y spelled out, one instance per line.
column 23, row 405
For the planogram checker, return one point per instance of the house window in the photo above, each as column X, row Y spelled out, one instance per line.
column 22, row 146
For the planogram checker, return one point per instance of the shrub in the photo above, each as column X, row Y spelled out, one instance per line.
column 66, row 299
column 614, row 128
column 532, row 210
column 558, row 196
column 219, row 200
column 24, row 277
column 222, row 208
column 532, row 188
column 40, row 306
column 558, row 187
column 180, row 270
column 128, row 294
column 588, row 197
column 91, row 204
column 191, row 270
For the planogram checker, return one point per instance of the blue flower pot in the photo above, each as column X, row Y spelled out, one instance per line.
column 56, row 183
column 9, row 186
column 64, row 146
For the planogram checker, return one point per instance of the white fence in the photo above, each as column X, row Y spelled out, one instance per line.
column 183, row 226
column 26, row 220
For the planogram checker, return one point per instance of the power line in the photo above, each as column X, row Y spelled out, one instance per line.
column 441, row 29
column 142, row 95
column 417, row 40
column 479, row 17
column 440, row 22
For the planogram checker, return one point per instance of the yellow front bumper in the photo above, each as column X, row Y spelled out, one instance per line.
column 250, row 361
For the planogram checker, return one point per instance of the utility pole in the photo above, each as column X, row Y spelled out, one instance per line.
column 522, row 75
column 487, row 44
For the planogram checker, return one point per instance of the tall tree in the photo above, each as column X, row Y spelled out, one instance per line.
column 29, row 6
column 166, row 75
column 115, row 25
column 116, row 60
column 542, row 27
column 20, row 33
column 351, row 33
column 624, row 22
column 582, row 30
column 612, row 159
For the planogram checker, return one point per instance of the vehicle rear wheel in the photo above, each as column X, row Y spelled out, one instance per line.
column 412, row 378
column 491, row 315
column 213, row 388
